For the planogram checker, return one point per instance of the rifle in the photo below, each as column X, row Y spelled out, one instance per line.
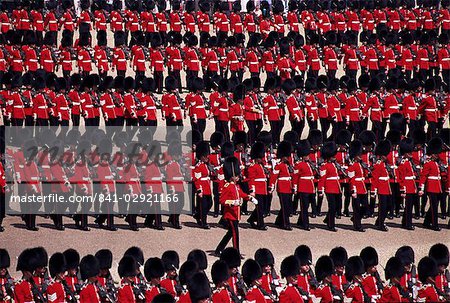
column 242, row 289
column 9, row 289
column 340, row 169
column 412, row 283
column 103, row 293
column 233, row 295
column 111, row 288
column 37, row 294
column 73, row 297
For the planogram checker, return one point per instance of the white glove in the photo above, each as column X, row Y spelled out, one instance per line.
column 254, row 200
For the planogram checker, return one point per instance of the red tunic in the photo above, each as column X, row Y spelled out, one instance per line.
column 230, row 197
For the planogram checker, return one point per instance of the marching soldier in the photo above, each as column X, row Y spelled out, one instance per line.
column 23, row 287
column 394, row 270
column 153, row 271
column 102, row 55
column 220, row 276
column 74, row 99
column 282, row 176
column 172, row 104
column 89, row 271
column 201, row 178
column 127, row 271
column 251, row 274
column 354, row 271
column 429, row 182
column 257, row 183
column 171, row 261
column 324, row 270
column 407, row 180
column 380, row 182
column 56, row 290
column 290, row 270
column 357, row 185
column 338, row 279
column 195, row 105
column 329, row 182
column 303, row 182
column 119, row 60
column 371, row 280
column 427, row 270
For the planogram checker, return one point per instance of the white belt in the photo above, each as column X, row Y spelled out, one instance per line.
column 213, row 61
column 234, row 61
column 410, row 178
column 18, row 106
column 177, row 23
column 121, row 60
column 34, row 178
column 337, row 109
column 315, row 59
column 63, row 108
column 332, row 59
column 109, row 177
column 134, row 179
column 273, row 107
column 48, row 60
column 33, row 60
column 85, row 61
column 431, row 110
column 254, row 62
column 204, row 179
column 284, row 178
column 156, row 178
column 373, row 59
column 424, row 59
column 178, row 60
column 86, row 179
column 45, row 166
column 296, row 108
column 178, row 178
column 76, row 103
column 176, row 108
column 223, row 109
column 194, row 60
column 355, row 22
column 333, row 178
column 376, row 109
column 307, row 178
column 383, row 178
column 409, row 60
column 140, row 60
column 434, row 178
column 200, row 106
column 393, row 107
column 313, row 108
column 151, row 107
column 360, row 179
column 251, row 23
column 238, row 23
column 54, row 22
column 89, row 106
column 260, row 180
column 354, row 109
column 67, row 61
column 69, row 22
column 353, row 59
column 270, row 62
column 412, row 108
column 445, row 59
column 109, row 106
column 159, row 61
column 42, row 107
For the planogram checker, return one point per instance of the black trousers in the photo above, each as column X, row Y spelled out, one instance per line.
column 358, row 204
column 275, row 128
column 216, row 197
column 282, row 219
column 203, row 206
column 305, row 200
column 431, row 217
column 432, row 130
column 445, row 209
column 396, row 200
column 200, row 125
column 383, row 202
column 176, row 75
column 312, row 124
column 232, row 233
column 76, row 121
column 330, row 220
column 222, row 126
column 159, row 81
column 298, row 126
column 176, row 208
column 257, row 215
column 408, row 212
column 251, row 124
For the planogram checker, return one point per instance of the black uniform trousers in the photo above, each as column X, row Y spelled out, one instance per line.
column 305, row 200
column 408, row 212
column 258, row 213
column 232, row 233
column 282, row 219
column 358, row 204
column 431, row 217
column 204, row 204
column 383, row 202
column 330, row 220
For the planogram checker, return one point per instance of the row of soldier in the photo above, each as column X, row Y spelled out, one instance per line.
column 335, row 277
column 398, row 172
column 234, row 106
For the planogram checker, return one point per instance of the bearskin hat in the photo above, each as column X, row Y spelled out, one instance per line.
column 284, row 149
column 199, row 287
column 288, row 86
column 303, row 148
column 164, row 297
column 257, row 151
column 5, row 261
column 153, row 268
column 198, row 256
column 202, row 150
column 136, row 253
column 343, row 137
column 354, row 267
column 444, row 134
column 187, row 270
column 397, row 122
column 430, row 84
column 264, row 257
column 406, row 255
column 240, row 137
column 427, row 268
column 324, row 268
column 369, row 256
column 304, row 255
column 310, row 84
column 356, row 149
column 439, row 252
column 227, row 150
column 322, row 82
column 339, row 256
column 219, row 272
column 290, row 267
column 41, row 257
column 265, row 137
column 383, row 148
column 406, row 146
column 127, row 267
column 26, row 260
column 57, row 264
column 72, row 258
column 217, row 139
column 89, row 267
column 394, row 136
column 269, row 84
column 328, row 150
column 171, row 260
column 251, row 271
column 394, row 268
column 315, row 137
column 104, row 257
column 434, row 147
column 419, row 136
column 364, row 80
column 232, row 257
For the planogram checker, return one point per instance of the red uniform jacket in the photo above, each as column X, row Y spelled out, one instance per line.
column 257, row 179
column 303, row 178
column 355, row 292
column 282, row 177
column 381, row 177
column 430, row 178
column 125, row 294
column 89, row 294
column 407, row 177
column 55, row 292
column 428, row 108
column 230, row 196
column 201, row 178
column 324, row 292
column 221, row 295
column 22, row 292
column 271, row 108
column 174, row 177
column 391, row 294
column 329, row 179
column 171, row 108
column 428, row 294
column 254, row 294
column 290, row 294
column 357, row 178
column 369, row 283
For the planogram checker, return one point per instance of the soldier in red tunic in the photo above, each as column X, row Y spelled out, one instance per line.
column 354, row 270
column 6, row 281
column 338, row 279
column 324, row 271
column 56, row 290
column 252, row 274
column 153, row 271
column 72, row 281
column 220, row 276
column 371, row 280
column 199, row 288
column 427, row 270
column 127, row 272
column 380, row 182
column 430, row 182
column 257, row 183
column 201, row 179
column 393, row 292
column 23, row 288
column 89, row 271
